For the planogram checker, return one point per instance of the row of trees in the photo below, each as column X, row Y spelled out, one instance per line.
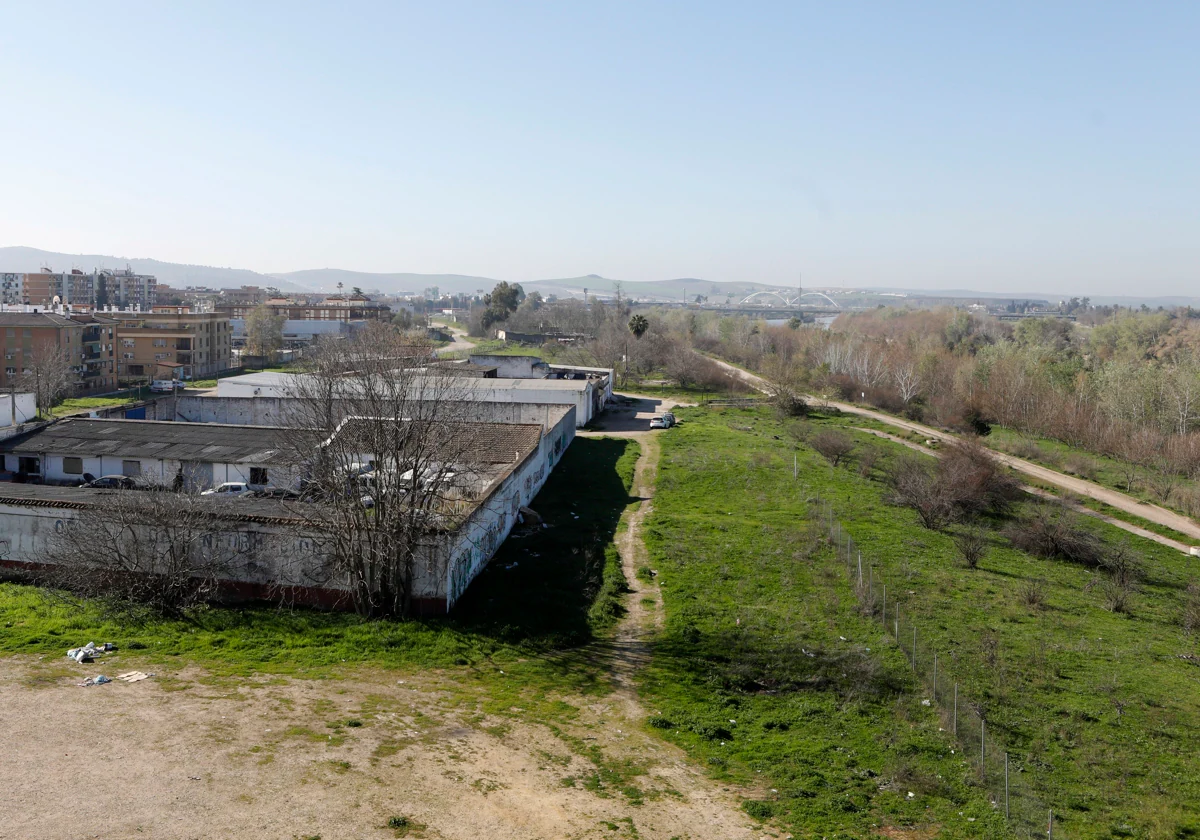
column 1128, row 387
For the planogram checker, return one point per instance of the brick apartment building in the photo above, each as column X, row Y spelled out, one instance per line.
column 26, row 336
column 150, row 345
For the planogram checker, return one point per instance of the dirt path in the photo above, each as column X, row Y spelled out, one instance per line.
column 458, row 341
column 631, row 648
column 1037, row 491
column 1078, row 486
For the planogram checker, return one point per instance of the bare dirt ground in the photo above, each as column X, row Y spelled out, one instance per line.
column 1078, row 486
column 632, row 413
column 188, row 755
column 458, row 341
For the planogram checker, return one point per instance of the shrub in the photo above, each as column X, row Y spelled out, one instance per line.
column 1191, row 609
column 1032, row 594
column 867, row 460
column 1054, row 532
column 914, row 485
column 1081, row 466
column 832, row 445
column 977, row 482
column 972, row 546
column 758, row 809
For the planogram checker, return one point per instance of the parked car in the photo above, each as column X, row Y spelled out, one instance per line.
column 277, row 493
column 166, row 386
column 668, row 419
column 112, row 482
column 656, row 422
column 230, row 490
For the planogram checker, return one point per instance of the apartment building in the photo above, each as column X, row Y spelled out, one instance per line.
column 333, row 308
column 98, row 372
column 152, row 345
column 29, row 338
column 102, row 288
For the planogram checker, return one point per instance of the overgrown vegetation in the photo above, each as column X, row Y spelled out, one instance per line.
column 1085, row 668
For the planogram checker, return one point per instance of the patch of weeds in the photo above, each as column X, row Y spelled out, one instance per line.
column 340, row 766
column 354, row 723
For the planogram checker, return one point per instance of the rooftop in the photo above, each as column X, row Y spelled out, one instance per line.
column 474, row 443
column 34, row 319
column 207, row 442
column 276, row 380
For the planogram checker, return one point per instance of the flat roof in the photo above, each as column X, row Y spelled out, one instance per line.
column 77, row 498
column 159, row 439
column 274, row 379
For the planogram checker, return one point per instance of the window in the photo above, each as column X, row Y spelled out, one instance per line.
column 73, row 466
column 10, row 371
column 132, row 469
column 258, row 475
column 128, row 342
column 127, row 356
column 160, row 342
column 137, row 370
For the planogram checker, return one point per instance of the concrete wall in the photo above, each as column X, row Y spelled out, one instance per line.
column 274, row 411
column 511, row 367
column 155, row 471
column 17, row 408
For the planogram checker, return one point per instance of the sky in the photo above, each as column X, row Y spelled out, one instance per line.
column 1034, row 146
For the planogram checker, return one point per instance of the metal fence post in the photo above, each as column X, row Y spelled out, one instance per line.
column 1006, row 786
column 956, row 710
column 1050, row 828
column 982, row 748
column 935, row 676
column 884, row 619
column 914, row 647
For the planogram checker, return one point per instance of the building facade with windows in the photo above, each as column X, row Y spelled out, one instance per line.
column 118, row 288
column 157, row 344
column 343, row 308
column 29, row 338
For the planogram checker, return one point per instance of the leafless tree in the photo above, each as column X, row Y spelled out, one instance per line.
column 972, row 545
column 390, row 463
column 832, row 445
column 264, row 331
column 147, row 551
column 915, row 485
column 51, row 374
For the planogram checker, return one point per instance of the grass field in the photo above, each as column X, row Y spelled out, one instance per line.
column 1101, row 709
column 79, row 404
column 518, row 631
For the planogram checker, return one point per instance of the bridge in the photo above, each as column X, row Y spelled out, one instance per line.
column 785, row 297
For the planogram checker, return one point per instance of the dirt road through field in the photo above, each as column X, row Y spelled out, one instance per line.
column 1078, row 486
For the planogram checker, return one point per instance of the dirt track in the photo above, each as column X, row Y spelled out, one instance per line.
column 1078, row 486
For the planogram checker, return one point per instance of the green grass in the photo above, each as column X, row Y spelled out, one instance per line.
column 1100, row 710
column 75, row 405
column 528, row 620
column 829, row 744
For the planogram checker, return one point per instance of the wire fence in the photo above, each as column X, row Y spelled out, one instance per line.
column 882, row 597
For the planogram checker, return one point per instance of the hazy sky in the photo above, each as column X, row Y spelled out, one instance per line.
column 1046, row 145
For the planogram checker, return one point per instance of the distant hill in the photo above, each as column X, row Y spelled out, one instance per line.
column 326, row 279
column 19, row 258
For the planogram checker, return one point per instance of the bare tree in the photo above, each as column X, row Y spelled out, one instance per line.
column 141, row 550
column 391, row 465
column 832, row 445
column 51, row 374
column 915, row 485
column 972, row 545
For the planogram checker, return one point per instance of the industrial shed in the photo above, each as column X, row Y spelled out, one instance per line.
column 193, row 456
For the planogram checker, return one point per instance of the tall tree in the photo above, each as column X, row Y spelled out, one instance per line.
column 264, row 331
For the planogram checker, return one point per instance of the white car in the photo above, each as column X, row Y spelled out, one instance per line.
column 230, row 490
column 657, row 422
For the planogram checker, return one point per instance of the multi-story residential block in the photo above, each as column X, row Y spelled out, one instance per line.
column 29, row 338
column 332, row 308
column 120, row 288
column 152, row 345
column 99, row 368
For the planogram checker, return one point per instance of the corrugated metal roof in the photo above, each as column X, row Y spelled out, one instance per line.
column 212, row 442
